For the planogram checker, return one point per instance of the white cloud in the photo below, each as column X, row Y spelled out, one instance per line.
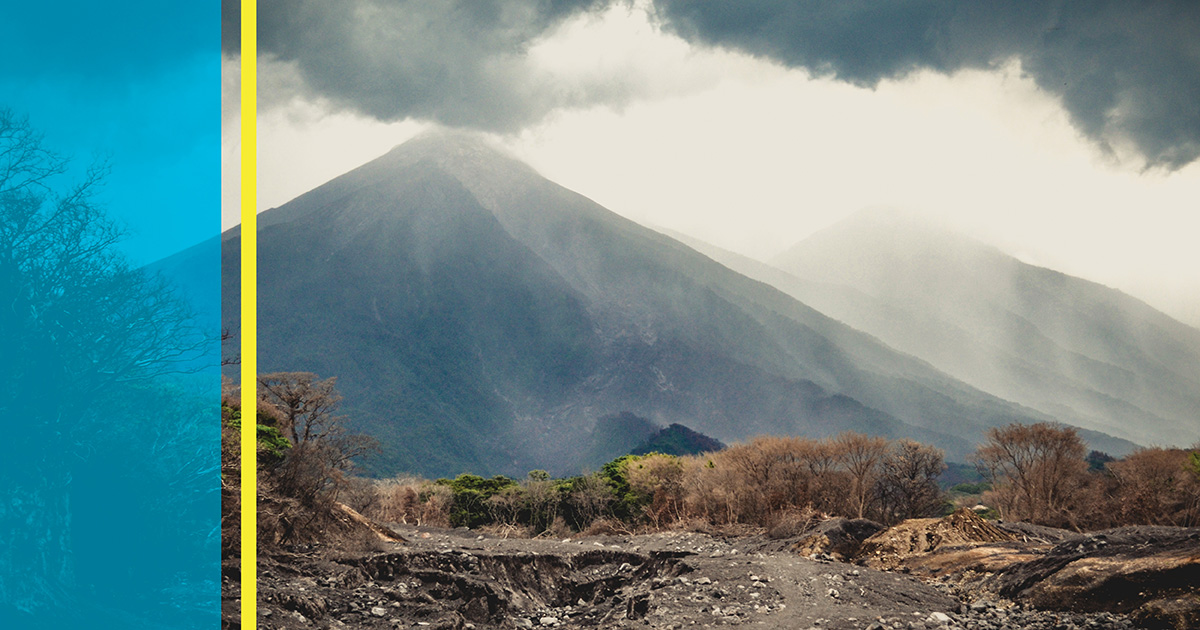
column 231, row 142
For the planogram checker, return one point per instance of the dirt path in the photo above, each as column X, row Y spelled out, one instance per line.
column 460, row 579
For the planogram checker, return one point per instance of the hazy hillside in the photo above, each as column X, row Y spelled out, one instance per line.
column 478, row 315
column 678, row 440
column 1081, row 352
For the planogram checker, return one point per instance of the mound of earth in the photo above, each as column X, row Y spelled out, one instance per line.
column 1028, row 532
column 836, row 538
column 1152, row 573
column 889, row 549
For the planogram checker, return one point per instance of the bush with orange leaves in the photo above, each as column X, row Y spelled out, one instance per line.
column 1037, row 471
column 781, row 485
column 1156, row 486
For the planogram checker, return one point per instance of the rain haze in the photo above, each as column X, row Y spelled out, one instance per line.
column 1066, row 134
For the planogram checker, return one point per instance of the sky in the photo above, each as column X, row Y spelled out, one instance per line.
column 1065, row 133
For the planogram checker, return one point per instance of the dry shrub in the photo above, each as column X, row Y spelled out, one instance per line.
column 558, row 528
column 397, row 499
column 497, row 530
column 591, row 499
column 1156, row 486
column 542, row 501
column 659, row 477
column 434, row 503
column 695, row 524
column 1036, row 471
column 506, row 506
column 907, row 483
column 285, row 521
column 310, row 474
column 710, row 491
column 758, row 482
column 793, row 522
column 231, row 464
column 360, row 494
column 607, row 527
column 412, row 501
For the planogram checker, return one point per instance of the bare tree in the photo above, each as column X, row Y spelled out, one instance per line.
column 1155, row 486
column 860, row 456
column 541, row 500
column 322, row 451
column 592, row 499
column 826, row 486
column 907, row 485
column 1035, row 469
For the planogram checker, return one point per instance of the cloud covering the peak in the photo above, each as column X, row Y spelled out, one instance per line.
column 458, row 63
column 1128, row 74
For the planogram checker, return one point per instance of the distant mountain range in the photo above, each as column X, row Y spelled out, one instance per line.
column 1081, row 352
column 480, row 317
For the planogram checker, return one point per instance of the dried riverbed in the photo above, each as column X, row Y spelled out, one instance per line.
column 461, row 579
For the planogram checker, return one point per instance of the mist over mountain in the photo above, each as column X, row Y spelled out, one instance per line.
column 1083, row 353
column 481, row 317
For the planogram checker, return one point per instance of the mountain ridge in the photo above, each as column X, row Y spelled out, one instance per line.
column 479, row 316
column 1073, row 348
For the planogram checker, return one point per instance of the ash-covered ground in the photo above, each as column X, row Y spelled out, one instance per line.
column 462, row 579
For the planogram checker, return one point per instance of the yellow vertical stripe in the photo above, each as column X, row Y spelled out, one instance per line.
column 249, row 318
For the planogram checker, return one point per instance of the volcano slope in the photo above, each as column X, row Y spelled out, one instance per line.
column 1088, row 354
column 481, row 317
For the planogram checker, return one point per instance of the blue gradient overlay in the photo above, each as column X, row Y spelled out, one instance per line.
column 109, row 348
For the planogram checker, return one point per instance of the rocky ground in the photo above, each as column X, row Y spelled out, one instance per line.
column 461, row 579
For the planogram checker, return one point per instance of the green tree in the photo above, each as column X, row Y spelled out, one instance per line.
column 469, row 506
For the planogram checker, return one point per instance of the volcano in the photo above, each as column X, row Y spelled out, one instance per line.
column 481, row 317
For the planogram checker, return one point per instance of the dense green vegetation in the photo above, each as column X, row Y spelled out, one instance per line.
column 469, row 507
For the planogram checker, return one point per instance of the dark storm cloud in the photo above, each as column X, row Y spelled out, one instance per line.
column 231, row 26
column 1126, row 71
column 460, row 63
